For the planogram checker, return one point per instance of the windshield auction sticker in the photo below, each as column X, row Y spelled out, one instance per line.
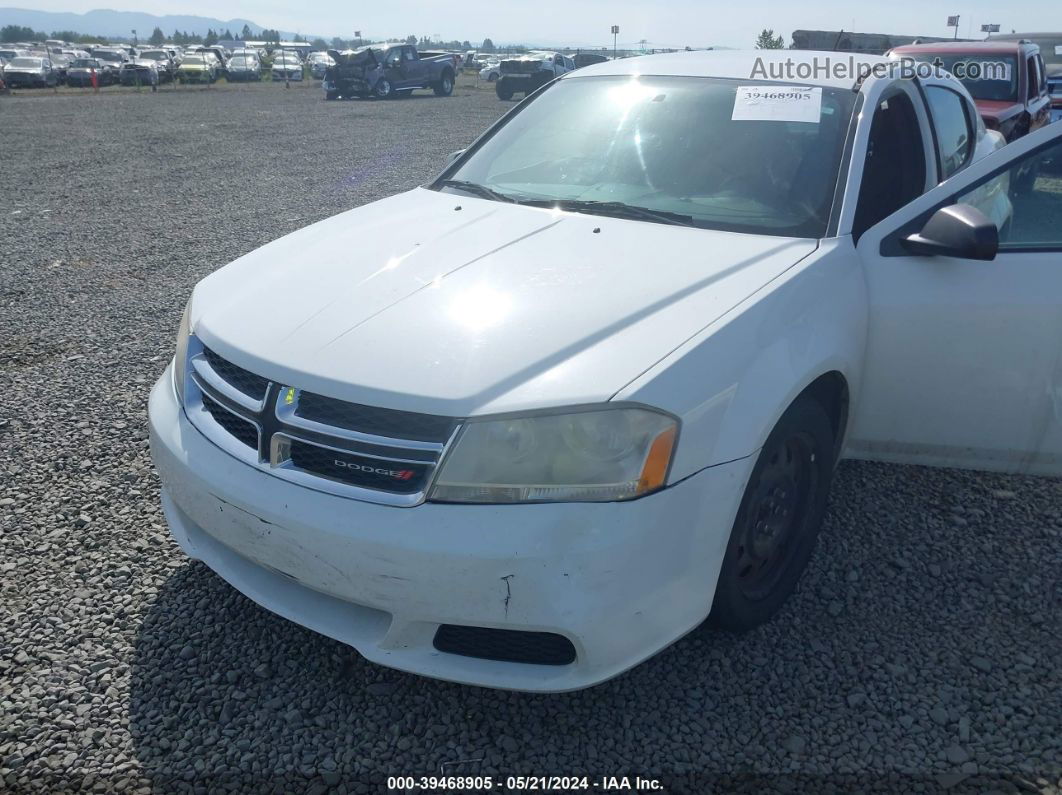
column 777, row 103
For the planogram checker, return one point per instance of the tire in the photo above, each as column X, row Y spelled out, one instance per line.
column 778, row 520
column 445, row 86
column 383, row 89
column 503, row 90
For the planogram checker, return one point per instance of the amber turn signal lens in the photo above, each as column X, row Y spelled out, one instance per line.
column 656, row 463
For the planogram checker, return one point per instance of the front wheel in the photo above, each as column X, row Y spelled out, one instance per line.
column 445, row 86
column 503, row 90
column 778, row 519
column 383, row 89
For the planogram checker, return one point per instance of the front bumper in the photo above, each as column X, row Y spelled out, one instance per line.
column 619, row 580
column 16, row 80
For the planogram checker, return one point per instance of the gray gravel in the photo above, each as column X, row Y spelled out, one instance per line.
column 922, row 651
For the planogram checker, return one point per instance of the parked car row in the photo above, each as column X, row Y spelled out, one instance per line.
column 33, row 65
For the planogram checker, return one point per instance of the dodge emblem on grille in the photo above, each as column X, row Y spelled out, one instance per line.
column 397, row 474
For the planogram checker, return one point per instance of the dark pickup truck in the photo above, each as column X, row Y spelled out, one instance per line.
column 385, row 71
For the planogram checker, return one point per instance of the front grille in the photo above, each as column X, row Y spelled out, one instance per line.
column 373, row 420
column 364, row 452
column 520, row 67
column 505, row 645
column 247, row 382
column 357, row 470
column 243, row 430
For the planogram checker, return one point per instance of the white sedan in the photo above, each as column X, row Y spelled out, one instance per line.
column 286, row 66
column 528, row 424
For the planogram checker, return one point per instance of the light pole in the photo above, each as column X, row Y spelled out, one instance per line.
column 615, row 34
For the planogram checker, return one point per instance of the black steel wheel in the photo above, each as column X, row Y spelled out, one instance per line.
column 778, row 520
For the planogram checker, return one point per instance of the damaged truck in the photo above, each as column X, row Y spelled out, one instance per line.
column 386, row 71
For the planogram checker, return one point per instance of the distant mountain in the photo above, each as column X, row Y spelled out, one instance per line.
column 103, row 22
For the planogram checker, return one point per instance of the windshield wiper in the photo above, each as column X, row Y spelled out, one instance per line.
column 476, row 189
column 615, row 210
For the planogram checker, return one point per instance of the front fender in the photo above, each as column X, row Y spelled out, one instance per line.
column 732, row 382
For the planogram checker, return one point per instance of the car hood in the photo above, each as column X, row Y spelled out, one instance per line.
column 450, row 304
column 999, row 110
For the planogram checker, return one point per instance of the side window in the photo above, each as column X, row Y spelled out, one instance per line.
column 1034, row 79
column 1024, row 201
column 894, row 172
column 407, row 54
column 955, row 141
column 1041, row 70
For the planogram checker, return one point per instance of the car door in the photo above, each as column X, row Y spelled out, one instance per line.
column 413, row 69
column 1039, row 100
column 963, row 364
column 392, row 67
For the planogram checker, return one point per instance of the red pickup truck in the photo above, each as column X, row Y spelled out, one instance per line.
column 1007, row 79
column 1050, row 45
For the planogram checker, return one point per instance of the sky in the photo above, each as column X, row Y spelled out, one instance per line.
column 662, row 23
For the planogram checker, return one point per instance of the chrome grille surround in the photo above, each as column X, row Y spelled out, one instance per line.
column 274, row 414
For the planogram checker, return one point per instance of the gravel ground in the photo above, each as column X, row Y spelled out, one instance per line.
column 922, row 651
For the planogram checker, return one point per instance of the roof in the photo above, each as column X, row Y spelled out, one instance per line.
column 1008, row 47
column 741, row 65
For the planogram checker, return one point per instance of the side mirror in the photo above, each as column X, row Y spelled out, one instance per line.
column 454, row 155
column 959, row 231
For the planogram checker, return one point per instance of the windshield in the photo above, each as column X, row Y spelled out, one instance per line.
column 672, row 145
column 194, row 58
column 286, row 57
column 26, row 63
column 988, row 77
column 108, row 56
column 83, row 63
column 241, row 60
column 155, row 55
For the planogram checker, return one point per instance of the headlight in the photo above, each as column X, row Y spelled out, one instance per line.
column 596, row 455
column 180, row 357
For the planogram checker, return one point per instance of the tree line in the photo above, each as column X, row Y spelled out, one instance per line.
column 158, row 37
